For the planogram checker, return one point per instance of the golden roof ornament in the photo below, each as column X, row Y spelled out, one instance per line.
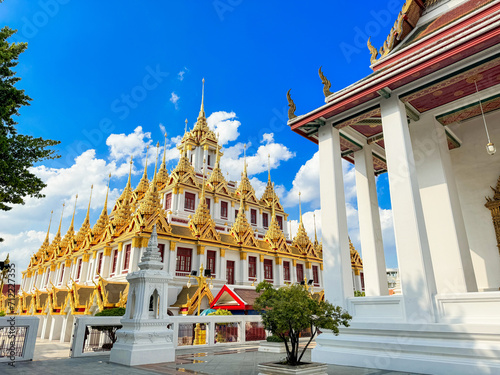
column 216, row 177
column 57, row 239
column 144, row 182
column 274, row 233
column 122, row 211
column 201, row 124
column 326, row 84
column 151, row 201
column 183, row 166
column 291, row 106
column 202, row 214
column 269, row 195
column 301, row 240
column 85, row 228
column 46, row 243
column 245, row 186
column 241, row 225
column 162, row 177
column 103, row 220
column 70, row 234
column 373, row 52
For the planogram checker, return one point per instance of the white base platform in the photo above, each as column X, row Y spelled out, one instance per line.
column 439, row 349
column 143, row 343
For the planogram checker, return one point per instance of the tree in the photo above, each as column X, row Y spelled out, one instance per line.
column 291, row 309
column 18, row 152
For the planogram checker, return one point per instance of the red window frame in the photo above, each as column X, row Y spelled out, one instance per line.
column 115, row 262
column 207, row 201
column 286, row 271
column 208, row 160
column 236, row 213
column 223, row 210
column 253, row 216
column 315, row 275
column 189, row 201
column 300, row 272
column 280, row 221
column 168, row 201
column 268, row 269
column 252, row 267
column 99, row 264
column 79, row 272
column 230, row 272
column 265, row 220
column 161, row 249
column 183, row 263
column 126, row 261
column 211, row 256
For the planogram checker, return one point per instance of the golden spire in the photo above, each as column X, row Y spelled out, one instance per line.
column 85, row 228
column 216, row 177
column 151, row 202
column 315, row 234
column 274, row 233
column 268, row 168
column 245, row 186
column 202, row 108
column 58, row 234
column 269, row 193
column 122, row 209
column 183, row 166
column 301, row 240
column 144, row 182
column 202, row 214
column 241, row 225
column 46, row 241
column 103, row 220
column 71, row 230
column 185, row 126
column 162, row 177
column 201, row 126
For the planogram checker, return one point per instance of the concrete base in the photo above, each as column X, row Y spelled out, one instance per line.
column 272, row 368
column 272, row 347
column 440, row 349
column 144, row 342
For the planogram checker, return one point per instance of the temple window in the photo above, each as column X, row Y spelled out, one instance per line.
column 208, row 160
column 223, row 210
column 168, row 201
column 265, row 220
column 161, row 249
column 253, row 216
column 315, row 275
column 61, row 274
column 211, row 254
column 99, row 264
column 189, row 201
column 280, row 221
column 252, row 268
column 207, row 201
column 268, row 270
column 183, row 264
column 286, row 271
column 230, row 272
column 79, row 269
column 300, row 272
column 126, row 261
column 115, row 262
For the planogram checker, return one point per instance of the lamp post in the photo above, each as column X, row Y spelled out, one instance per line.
column 199, row 338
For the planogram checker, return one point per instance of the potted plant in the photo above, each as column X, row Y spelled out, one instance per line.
column 286, row 312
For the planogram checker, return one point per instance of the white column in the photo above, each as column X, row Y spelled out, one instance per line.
column 279, row 280
column 223, row 269
column 172, row 262
column 449, row 246
column 412, row 246
column 370, row 229
column 244, row 269
column 336, row 255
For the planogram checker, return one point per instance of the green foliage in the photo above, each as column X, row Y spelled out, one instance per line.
column 358, row 293
column 18, row 153
column 221, row 312
column 115, row 311
column 289, row 310
column 274, row 338
column 2, row 313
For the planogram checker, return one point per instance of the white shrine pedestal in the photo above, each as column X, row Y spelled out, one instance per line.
column 145, row 337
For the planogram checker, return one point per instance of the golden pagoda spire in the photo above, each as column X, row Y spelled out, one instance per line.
column 162, row 177
column 185, row 126
column 202, row 214
column 103, row 220
column 183, row 166
column 268, row 168
column 216, row 177
column 58, row 234
column 245, row 159
column 144, row 182
column 85, row 228
column 269, row 193
column 300, row 208
column 245, row 186
column 241, row 225
column 274, row 233
column 315, row 234
column 46, row 241
column 202, row 108
column 301, row 240
column 122, row 206
column 151, row 202
column 201, row 127
column 71, row 230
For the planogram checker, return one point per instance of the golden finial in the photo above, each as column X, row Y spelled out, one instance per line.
column 157, row 153
column 269, row 167
column 90, row 200
column 107, row 192
column 130, row 171
column 202, row 109
column 291, row 105
column 72, row 225
column 245, row 159
column 186, row 126
column 273, row 212
column 60, row 222
column 48, row 230
column 164, row 150
column 315, row 235
column 146, row 164
column 373, row 52
column 300, row 208
column 326, row 83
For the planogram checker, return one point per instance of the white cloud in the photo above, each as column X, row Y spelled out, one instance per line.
column 180, row 75
column 267, row 138
column 123, row 146
column 162, row 129
column 225, row 125
column 174, row 98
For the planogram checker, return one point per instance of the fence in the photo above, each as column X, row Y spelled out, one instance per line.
column 94, row 335
column 17, row 338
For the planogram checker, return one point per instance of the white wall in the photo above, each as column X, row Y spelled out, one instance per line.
column 475, row 171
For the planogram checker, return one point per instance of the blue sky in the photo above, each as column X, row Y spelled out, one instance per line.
column 97, row 69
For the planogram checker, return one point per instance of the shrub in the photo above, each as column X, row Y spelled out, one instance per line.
column 115, row 311
column 2, row 313
column 221, row 312
column 274, row 338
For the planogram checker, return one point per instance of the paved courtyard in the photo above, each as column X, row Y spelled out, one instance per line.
column 53, row 358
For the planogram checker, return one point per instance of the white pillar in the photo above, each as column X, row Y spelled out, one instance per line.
column 449, row 246
column 244, row 268
column 172, row 262
column 336, row 255
column 279, row 280
column 370, row 229
column 412, row 246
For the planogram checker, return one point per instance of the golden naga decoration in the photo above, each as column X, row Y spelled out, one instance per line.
column 326, row 83
column 493, row 204
column 373, row 51
column 291, row 106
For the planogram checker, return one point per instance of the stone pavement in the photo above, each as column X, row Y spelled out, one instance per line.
column 53, row 358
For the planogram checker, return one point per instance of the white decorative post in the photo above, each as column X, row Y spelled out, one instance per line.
column 336, row 255
column 145, row 337
column 369, row 224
